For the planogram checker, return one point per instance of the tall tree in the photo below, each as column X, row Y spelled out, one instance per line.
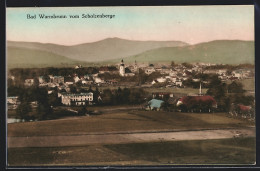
column 23, row 110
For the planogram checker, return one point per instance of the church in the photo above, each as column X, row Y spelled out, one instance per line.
column 124, row 71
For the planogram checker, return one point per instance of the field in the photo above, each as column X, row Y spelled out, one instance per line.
column 233, row 150
column 225, row 151
column 126, row 121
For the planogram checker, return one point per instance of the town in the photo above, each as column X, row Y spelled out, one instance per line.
column 184, row 87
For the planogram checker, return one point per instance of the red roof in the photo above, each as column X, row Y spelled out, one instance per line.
column 198, row 99
column 244, row 108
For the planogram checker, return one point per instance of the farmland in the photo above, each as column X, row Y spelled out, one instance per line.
column 124, row 121
column 224, row 151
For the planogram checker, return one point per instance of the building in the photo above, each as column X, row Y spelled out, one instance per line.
column 128, row 72
column 149, row 70
column 80, row 99
column 122, row 68
column 41, row 80
column 135, row 67
column 161, row 95
column 57, row 79
column 154, row 104
column 196, row 103
column 12, row 102
column 28, row 82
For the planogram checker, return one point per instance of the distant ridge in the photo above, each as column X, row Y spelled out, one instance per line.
column 30, row 58
column 107, row 49
column 218, row 51
column 112, row 50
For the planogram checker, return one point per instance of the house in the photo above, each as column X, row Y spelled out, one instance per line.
column 154, row 104
column 149, row 70
column 87, row 82
column 57, row 79
column 161, row 94
column 196, row 103
column 128, row 72
column 173, row 73
column 68, row 80
column 78, row 66
column 12, row 102
column 98, row 80
column 178, row 83
column 41, row 79
column 76, row 79
column 28, row 82
column 154, row 81
column 103, row 70
column 161, row 80
column 70, row 99
column 108, row 69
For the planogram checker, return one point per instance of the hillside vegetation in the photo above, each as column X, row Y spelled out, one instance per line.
column 221, row 52
column 107, row 49
column 112, row 50
column 21, row 57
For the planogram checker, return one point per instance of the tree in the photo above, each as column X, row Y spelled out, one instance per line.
column 235, row 87
column 36, row 82
column 23, row 111
column 46, row 78
column 172, row 63
column 43, row 111
column 82, row 111
column 107, row 96
column 96, row 94
column 187, row 65
column 73, row 89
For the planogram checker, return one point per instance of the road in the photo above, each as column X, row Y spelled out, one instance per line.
column 134, row 137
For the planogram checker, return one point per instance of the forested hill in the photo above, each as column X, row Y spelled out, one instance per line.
column 107, row 49
column 219, row 51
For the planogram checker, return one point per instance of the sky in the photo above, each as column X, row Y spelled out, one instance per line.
column 190, row 24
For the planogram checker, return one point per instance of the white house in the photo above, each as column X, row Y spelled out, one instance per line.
column 76, row 79
column 178, row 83
column 12, row 102
column 161, row 80
column 76, row 99
column 149, row 70
column 28, row 82
column 41, row 80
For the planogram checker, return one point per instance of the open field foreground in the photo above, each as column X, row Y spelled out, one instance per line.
column 222, row 151
column 123, row 138
column 133, row 138
column 123, row 121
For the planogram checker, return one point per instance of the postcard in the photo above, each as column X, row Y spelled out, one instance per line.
column 130, row 85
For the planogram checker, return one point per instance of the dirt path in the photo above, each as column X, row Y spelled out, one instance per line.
column 117, row 138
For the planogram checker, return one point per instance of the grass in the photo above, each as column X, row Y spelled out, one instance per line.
column 176, row 90
column 126, row 121
column 248, row 84
column 224, row 151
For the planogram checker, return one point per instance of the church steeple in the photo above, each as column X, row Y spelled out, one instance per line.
column 122, row 68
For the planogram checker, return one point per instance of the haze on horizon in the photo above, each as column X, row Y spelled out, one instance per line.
column 190, row 24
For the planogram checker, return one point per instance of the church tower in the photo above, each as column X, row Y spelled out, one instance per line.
column 122, row 68
column 135, row 67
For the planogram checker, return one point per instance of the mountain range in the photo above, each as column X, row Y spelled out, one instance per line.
column 112, row 50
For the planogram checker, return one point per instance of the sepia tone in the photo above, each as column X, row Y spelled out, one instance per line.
column 119, row 86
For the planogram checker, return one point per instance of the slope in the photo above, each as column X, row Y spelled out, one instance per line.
column 22, row 57
column 107, row 49
column 219, row 51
